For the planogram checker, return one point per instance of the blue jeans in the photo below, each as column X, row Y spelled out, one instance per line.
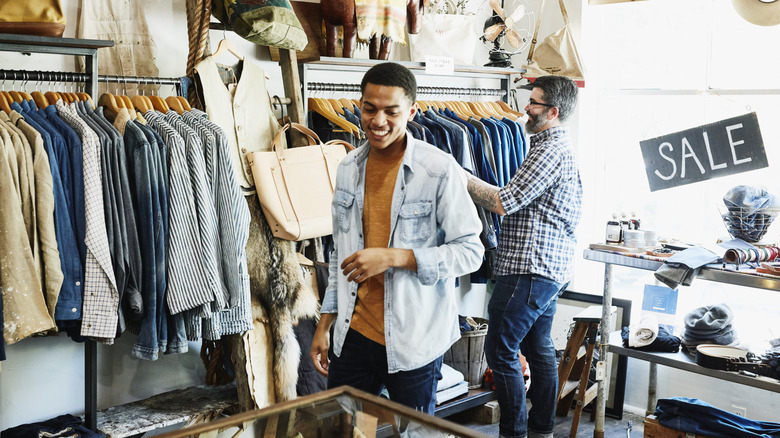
column 521, row 311
column 695, row 416
column 363, row 365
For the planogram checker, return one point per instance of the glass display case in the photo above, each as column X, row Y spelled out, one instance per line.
column 340, row 412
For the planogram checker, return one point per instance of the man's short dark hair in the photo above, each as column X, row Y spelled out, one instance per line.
column 560, row 92
column 391, row 75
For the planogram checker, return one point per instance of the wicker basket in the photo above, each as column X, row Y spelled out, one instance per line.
column 467, row 355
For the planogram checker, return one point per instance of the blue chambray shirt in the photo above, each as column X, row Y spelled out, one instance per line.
column 432, row 214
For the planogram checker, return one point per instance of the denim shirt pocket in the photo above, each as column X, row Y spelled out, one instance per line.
column 414, row 221
column 344, row 203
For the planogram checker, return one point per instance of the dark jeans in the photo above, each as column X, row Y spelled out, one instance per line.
column 520, row 314
column 695, row 416
column 363, row 365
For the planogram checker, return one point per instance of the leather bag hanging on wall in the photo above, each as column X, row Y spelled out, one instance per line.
column 295, row 185
column 268, row 23
column 556, row 55
column 444, row 34
column 32, row 17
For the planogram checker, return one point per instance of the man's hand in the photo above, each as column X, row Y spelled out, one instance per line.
column 373, row 261
column 320, row 344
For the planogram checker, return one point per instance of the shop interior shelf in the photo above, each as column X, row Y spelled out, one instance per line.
column 685, row 362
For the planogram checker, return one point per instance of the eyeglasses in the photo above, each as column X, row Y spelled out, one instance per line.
column 532, row 102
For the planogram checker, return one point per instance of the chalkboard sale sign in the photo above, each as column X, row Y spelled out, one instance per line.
column 710, row 151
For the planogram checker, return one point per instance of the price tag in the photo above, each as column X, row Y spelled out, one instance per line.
column 440, row 65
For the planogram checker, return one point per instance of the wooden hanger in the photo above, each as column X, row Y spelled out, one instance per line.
column 52, row 97
column 16, row 96
column 336, row 105
column 109, row 103
column 422, row 105
column 86, row 98
column 175, row 104
column 142, row 103
column 4, row 104
column 225, row 45
column 348, row 104
column 159, row 104
column 323, row 108
column 504, row 106
column 127, row 104
column 39, row 99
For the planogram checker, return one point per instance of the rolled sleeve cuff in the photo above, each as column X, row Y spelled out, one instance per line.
column 329, row 303
column 427, row 268
column 508, row 200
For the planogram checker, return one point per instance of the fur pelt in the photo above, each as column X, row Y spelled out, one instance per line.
column 277, row 283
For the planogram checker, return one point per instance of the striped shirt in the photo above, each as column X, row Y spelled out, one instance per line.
column 543, row 201
column 234, row 218
column 206, row 213
column 188, row 286
column 101, row 298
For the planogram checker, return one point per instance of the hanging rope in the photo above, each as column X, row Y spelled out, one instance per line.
column 198, row 17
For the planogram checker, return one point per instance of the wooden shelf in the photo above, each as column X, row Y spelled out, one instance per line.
column 475, row 397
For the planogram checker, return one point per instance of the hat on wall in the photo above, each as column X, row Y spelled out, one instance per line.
column 760, row 12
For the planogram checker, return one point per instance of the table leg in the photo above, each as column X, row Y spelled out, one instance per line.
column 601, row 367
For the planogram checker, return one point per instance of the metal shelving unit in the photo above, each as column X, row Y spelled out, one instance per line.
column 88, row 49
column 675, row 360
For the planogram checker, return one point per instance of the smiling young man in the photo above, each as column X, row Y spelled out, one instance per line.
column 403, row 229
column 542, row 203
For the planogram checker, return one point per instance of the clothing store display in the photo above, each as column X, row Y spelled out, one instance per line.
column 557, row 54
column 63, row 426
column 33, row 17
column 245, row 116
column 682, row 267
column 698, row 417
column 664, row 342
column 295, row 185
column 644, row 333
column 270, row 23
column 709, row 324
column 134, row 52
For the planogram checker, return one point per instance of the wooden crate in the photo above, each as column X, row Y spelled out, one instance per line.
column 654, row 429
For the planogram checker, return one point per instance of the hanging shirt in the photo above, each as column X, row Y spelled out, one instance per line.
column 24, row 313
column 101, row 299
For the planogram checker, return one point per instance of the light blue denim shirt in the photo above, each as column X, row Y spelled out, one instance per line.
column 432, row 214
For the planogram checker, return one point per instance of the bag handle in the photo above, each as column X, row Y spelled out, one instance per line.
column 539, row 22
column 311, row 136
column 343, row 143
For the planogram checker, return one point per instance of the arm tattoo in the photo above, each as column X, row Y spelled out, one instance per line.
column 484, row 194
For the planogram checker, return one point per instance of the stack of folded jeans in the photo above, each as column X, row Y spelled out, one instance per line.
column 709, row 325
column 683, row 267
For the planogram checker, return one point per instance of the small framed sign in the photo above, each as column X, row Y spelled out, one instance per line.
column 710, row 151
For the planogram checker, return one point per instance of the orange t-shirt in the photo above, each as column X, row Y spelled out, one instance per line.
column 381, row 173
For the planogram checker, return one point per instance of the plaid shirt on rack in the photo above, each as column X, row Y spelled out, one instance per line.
column 543, row 201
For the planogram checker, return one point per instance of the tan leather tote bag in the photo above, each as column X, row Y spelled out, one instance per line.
column 556, row 55
column 295, row 185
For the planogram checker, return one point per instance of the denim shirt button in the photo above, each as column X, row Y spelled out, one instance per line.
column 78, row 283
column 74, row 310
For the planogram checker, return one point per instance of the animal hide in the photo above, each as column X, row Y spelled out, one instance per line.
column 277, row 283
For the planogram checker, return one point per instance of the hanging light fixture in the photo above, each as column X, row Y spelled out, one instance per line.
column 759, row 12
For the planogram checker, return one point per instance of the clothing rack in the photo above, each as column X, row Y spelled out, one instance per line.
column 355, row 88
column 57, row 76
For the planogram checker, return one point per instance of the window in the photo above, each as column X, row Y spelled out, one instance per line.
column 658, row 67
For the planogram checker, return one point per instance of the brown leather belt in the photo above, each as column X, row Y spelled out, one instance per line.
column 723, row 357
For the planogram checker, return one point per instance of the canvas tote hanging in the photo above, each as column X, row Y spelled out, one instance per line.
column 557, row 54
column 444, row 33
column 295, row 185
